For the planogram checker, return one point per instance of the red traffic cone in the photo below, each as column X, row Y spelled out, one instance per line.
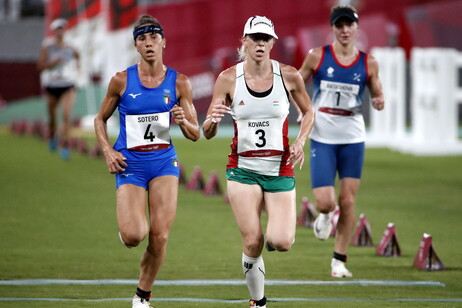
column 82, row 146
column 213, row 185
column 196, row 182
column 308, row 213
column 389, row 246
column 426, row 257
column 363, row 234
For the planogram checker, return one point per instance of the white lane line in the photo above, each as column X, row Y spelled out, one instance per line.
column 216, row 282
column 207, row 300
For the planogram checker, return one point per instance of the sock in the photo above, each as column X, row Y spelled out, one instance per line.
column 143, row 294
column 340, row 257
column 254, row 272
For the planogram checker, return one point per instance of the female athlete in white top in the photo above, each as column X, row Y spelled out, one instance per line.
column 256, row 93
column 58, row 64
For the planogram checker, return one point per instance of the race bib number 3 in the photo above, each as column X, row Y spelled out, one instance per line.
column 262, row 137
column 148, row 132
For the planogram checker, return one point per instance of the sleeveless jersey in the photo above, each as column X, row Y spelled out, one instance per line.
column 337, row 99
column 260, row 142
column 144, row 115
column 64, row 74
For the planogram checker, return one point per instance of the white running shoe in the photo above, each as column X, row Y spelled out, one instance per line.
column 339, row 270
column 322, row 226
column 140, row 303
column 253, row 304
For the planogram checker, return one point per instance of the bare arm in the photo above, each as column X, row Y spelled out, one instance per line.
column 184, row 112
column 221, row 100
column 310, row 63
column 43, row 63
column 307, row 69
column 296, row 87
column 115, row 161
column 374, row 85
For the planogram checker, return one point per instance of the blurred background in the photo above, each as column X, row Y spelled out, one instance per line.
column 202, row 39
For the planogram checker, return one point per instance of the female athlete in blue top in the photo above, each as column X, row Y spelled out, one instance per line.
column 340, row 73
column 143, row 158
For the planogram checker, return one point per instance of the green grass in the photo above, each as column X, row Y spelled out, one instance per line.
column 57, row 221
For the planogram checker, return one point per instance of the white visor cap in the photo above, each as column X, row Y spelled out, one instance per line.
column 259, row 24
column 58, row 23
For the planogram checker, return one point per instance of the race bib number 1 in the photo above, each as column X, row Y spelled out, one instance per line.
column 148, row 132
column 339, row 95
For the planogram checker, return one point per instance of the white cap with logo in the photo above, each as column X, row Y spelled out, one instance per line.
column 259, row 24
column 58, row 23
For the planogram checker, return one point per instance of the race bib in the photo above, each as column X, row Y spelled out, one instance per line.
column 260, row 137
column 338, row 95
column 148, row 132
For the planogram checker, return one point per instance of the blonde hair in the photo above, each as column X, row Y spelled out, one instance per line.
column 241, row 53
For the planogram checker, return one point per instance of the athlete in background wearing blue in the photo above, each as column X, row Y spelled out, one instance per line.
column 147, row 95
column 340, row 74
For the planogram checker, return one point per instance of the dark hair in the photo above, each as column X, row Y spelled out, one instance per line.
column 341, row 7
column 146, row 20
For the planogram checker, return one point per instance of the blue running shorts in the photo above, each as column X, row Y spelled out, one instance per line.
column 328, row 159
column 140, row 173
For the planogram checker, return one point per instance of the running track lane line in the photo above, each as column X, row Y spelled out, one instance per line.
column 206, row 300
column 216, row 282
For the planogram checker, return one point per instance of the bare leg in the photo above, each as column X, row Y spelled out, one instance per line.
column 280, row 230
column 347, row 219
column 131, row 214
column 246, row 202
column 67, row 99
column 325, row 198
column 163, row 196
column 52, row 104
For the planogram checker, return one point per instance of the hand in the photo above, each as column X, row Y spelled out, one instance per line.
column 218, row 112
column 296, row 154
column 115, row 161
column 178, row 114
column 378, row 102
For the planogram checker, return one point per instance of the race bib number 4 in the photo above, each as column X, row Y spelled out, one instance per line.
column 148, row 132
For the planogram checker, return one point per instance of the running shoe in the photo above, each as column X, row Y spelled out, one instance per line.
column 140, row 303
column 339, row 270
column 65, row 153
column 322, row 226
column 253, row 304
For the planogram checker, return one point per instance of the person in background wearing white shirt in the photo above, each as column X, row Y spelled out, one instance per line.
column 58, row 64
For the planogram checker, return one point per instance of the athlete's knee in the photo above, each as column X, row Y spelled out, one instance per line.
column 253, row 244
column 325, row 205
column 157, row 242
column 281, row 244
column 131, row 239
column 347, row 202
